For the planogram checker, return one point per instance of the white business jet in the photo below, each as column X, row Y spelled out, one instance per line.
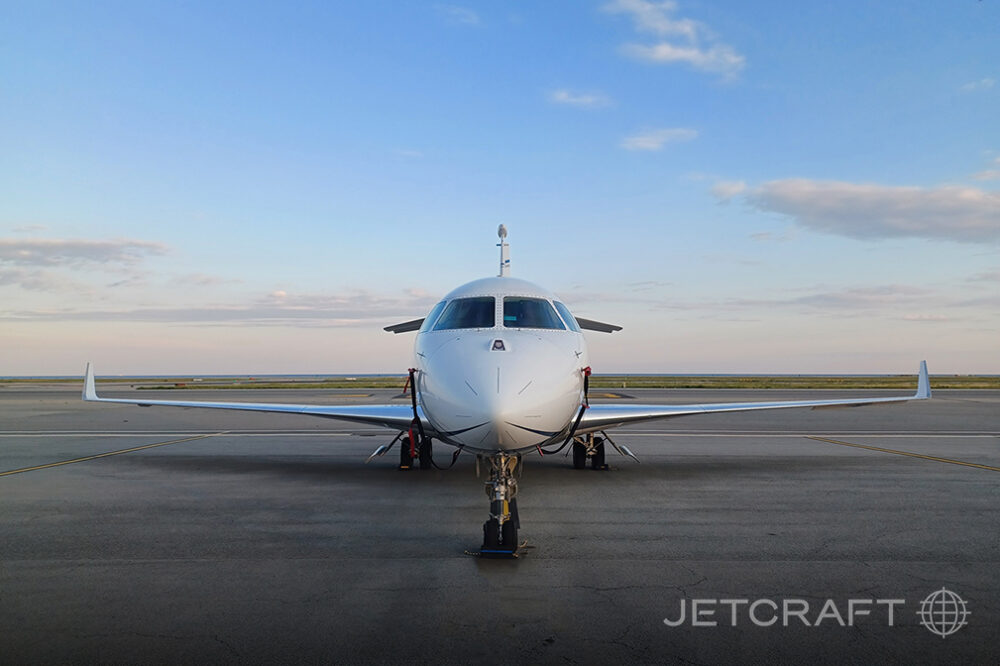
column 501, row 369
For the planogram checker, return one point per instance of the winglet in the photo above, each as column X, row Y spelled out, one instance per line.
column 89, row 390
column 923, row 383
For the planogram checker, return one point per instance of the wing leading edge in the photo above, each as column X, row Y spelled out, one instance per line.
column 396, row 417
column 601, row 417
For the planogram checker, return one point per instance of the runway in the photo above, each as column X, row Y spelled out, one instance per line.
column 161, row 535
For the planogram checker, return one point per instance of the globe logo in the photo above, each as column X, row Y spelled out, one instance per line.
column 943, row 612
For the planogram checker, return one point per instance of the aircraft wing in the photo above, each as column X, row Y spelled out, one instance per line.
column 599, row 326
column 406, row 326
column 396, row 417
column 602, row 417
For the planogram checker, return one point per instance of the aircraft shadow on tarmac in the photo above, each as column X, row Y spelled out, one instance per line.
column 553, row 469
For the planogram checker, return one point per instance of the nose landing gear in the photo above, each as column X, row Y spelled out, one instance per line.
column 500, row 531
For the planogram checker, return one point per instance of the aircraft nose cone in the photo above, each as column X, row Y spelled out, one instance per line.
column 507, row 396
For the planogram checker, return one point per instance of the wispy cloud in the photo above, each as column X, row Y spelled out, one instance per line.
column 204, row 280
column 844, row 301
column 993, row 276
column 720, row 58
column 934, row 318
column 278, row 308
column 725, row 190
column 585, row 100
column 38, row 252
column 30, row 229
column 854, row 298
column 988, row 174
column 772, row 237
column 33, row 279
column 869, row 211
column 653, row 140
column 458, row 15
column 45, row 265
column 981, row 84
column 677, row 40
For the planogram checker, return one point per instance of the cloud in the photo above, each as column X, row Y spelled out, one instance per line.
column 458, row 15
column 30, row 229
column 724, row 190
column 582, row 100
column 278, row 308
column 35, row 252
column 38, row 280
column 720, row 59
column 132, row 281
column 653, row 140
column 988, row 174
column 846, row 301
column 981, row 84
column 869, row 211
column 647, row 285
column 925, row 317
column 204, row 280
column 854, row 298
column 678, row 40
column 985, row 277
column 771, row 237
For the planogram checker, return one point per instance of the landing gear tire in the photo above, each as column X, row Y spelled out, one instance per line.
column 426, row 454
column 597, row 460
column 491, row 534
column 579, row 456
column 405, row 459
column 508, row 536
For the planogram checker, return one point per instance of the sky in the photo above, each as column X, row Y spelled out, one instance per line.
column 243, row 187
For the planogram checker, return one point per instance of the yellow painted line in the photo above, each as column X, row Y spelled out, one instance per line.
column 109, row 453
column 906, row 453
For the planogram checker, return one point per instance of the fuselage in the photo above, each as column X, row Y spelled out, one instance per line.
column 500, row 365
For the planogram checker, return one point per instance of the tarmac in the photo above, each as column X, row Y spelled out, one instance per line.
column 132, row 535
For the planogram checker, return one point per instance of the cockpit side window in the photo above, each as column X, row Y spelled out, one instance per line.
column 567, row 316
column 478, row 312
column 432, row 317
column 525, row 312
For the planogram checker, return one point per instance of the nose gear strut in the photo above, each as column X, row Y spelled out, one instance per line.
column 500, row 531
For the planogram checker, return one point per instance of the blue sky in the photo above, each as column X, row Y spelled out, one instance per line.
column 746, row 187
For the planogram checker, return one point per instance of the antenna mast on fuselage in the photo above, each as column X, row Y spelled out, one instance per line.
column 504, row 252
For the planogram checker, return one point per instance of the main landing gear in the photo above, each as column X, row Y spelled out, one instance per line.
column 500, row 531
column 589, row 447
column 415, row 449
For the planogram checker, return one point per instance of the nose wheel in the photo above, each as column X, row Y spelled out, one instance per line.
column 500, row 531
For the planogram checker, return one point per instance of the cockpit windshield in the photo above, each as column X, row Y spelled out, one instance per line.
column 478, row 312
column 525, row 312
column 432, row 317
column 567, row 316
